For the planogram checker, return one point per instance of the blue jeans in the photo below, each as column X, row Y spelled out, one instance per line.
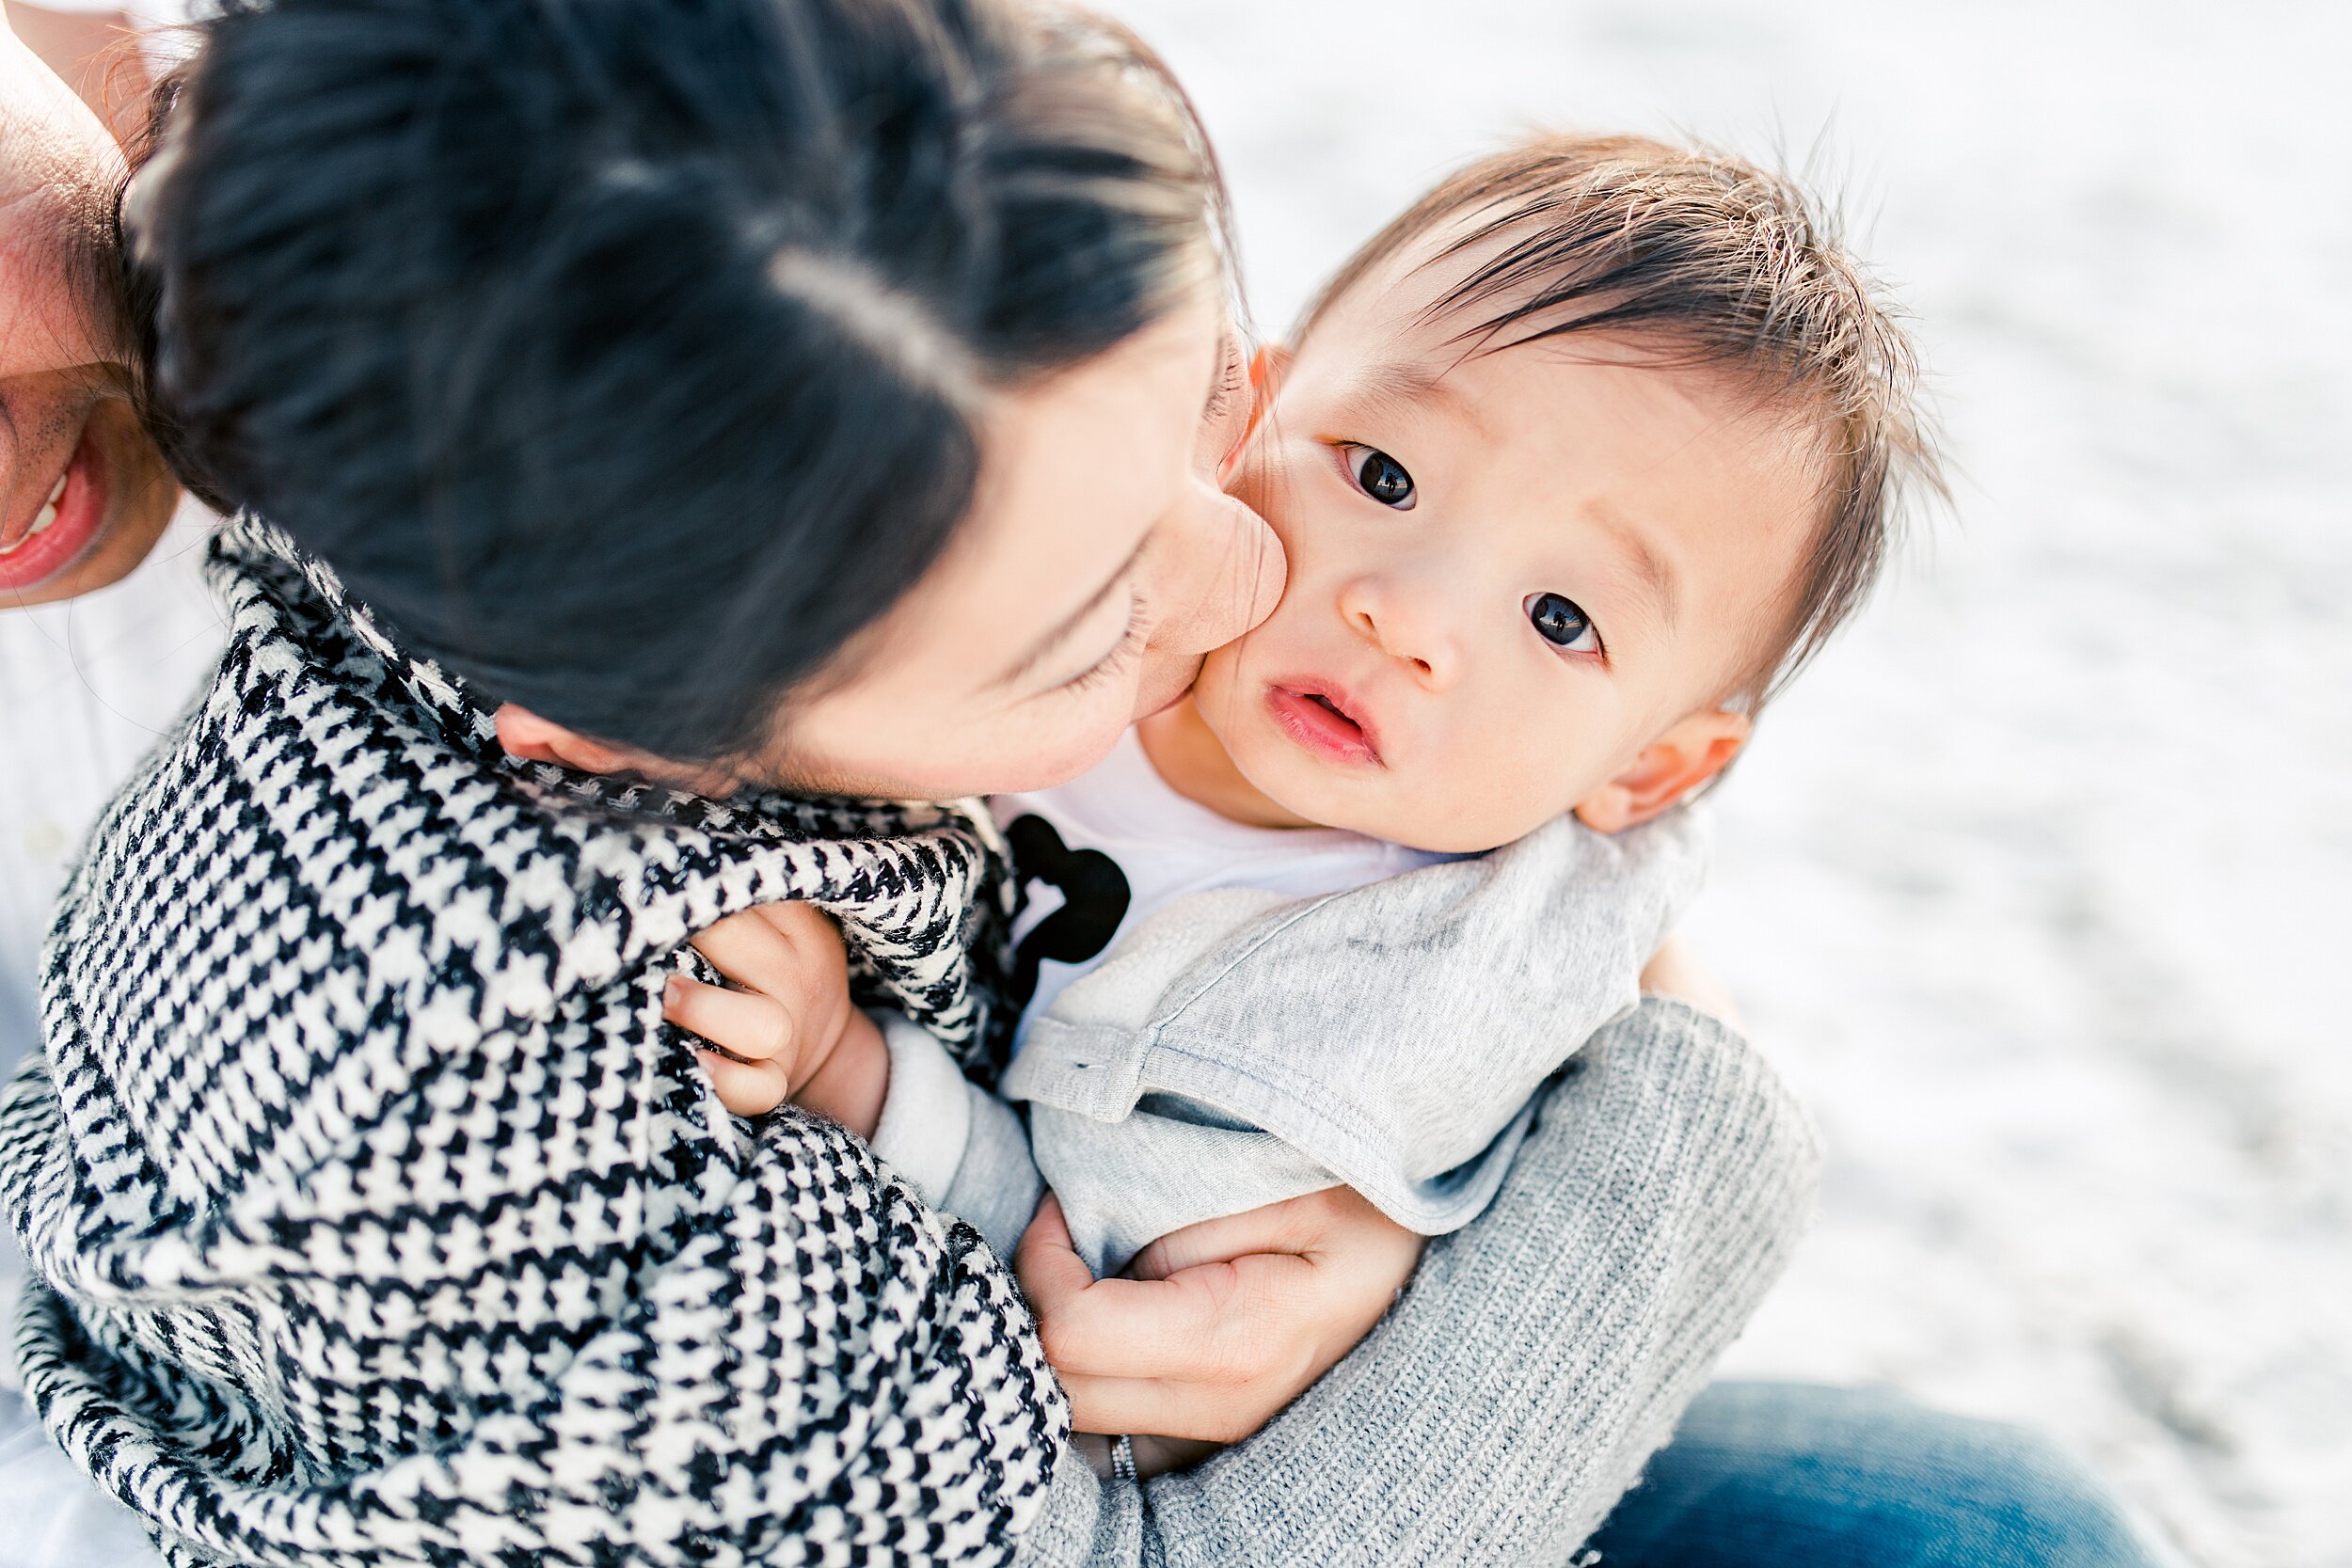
column 1762, row 1475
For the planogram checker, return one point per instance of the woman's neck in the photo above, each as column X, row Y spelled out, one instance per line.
column 1191, row 761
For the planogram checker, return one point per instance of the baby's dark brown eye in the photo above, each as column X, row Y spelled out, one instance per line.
column 1384, row 479
column 1563, row 622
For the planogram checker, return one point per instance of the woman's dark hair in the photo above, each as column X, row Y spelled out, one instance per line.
column 625, row 355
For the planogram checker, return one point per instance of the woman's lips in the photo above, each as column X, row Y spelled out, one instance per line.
column 1318, row 717
column 42, row 519
column 67, row 523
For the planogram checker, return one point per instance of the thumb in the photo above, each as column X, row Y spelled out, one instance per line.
column 1277, row 1228
column 1047, row 1262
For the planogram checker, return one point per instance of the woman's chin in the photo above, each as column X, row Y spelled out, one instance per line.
column 1167, row 680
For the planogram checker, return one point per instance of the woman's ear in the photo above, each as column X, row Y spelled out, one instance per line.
column 531, row 739
column 1691, row 752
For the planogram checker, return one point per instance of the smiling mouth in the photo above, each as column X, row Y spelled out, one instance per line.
column 42, row 521
column 68, row 526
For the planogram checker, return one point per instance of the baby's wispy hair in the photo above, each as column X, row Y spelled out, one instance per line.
column 1725, row 265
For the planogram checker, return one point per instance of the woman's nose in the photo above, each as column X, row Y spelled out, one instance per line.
column 1214, row 570
column 1406, row 624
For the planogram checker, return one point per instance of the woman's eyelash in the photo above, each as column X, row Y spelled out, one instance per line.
column 1108, row 667
column 1229, row 383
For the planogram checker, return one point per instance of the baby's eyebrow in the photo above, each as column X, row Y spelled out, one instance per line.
column 1399, row 389
column 1653, row 574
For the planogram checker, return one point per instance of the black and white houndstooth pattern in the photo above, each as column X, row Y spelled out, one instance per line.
column 383, row 1221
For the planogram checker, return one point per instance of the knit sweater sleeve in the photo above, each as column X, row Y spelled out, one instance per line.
column 1540, row 1355
column 959, row 1146
column 377, row 1219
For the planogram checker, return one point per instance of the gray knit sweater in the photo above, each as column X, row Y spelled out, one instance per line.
column 1540, row 1356
column 377, row 1220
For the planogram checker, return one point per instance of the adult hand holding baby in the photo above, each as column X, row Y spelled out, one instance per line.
column 1215, row 1328
column 1222, row 1324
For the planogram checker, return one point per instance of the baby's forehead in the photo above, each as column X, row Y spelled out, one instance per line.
column 1403, row 307
column 1393, row 363
column 1619, row 434
column 1451, row 278
column 1398, row 336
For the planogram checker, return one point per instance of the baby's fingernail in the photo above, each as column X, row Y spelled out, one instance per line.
column 670, row 990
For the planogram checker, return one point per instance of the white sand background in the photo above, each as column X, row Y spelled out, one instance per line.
column 2038, row 886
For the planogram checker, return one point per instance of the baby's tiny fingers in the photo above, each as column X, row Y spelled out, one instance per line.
column 746, row 1088
column 744, row 1023
column 810, row 930
column 748, row 950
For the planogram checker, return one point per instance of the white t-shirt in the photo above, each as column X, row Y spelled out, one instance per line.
column 86, row 688
column 1115, row 845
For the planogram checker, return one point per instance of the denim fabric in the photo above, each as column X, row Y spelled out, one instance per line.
column 1762, row 1475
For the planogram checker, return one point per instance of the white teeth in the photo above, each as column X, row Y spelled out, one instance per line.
column 56, row 491
column 41, row 524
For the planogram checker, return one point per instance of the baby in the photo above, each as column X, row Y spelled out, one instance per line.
column 1574, row 463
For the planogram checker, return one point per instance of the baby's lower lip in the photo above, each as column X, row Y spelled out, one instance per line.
column 43, row 551
column 1320, row 729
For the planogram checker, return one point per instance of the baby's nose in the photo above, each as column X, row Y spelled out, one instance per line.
column 1409, row 626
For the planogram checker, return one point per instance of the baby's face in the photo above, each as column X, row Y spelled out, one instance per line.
column 1509, row 577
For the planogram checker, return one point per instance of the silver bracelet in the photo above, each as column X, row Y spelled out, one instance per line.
column 1123, row 1459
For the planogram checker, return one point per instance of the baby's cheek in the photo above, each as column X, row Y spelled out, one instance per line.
column 1518, row 779
column 1216, row 680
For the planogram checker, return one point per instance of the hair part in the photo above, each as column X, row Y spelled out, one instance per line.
column 629, row 358
column 1725, row 266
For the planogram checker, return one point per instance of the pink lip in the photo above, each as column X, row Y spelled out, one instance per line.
column 81, row 518
column 1320, row 717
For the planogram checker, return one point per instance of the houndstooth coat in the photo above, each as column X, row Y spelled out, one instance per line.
column 381, row 1219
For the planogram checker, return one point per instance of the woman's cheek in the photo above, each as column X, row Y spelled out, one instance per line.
column 1041, row 755
column 1218, row 571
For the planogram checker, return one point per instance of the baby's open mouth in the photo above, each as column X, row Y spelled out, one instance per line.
column 1319, row 722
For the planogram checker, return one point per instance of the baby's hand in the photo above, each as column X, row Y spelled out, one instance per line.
column 784, row 1025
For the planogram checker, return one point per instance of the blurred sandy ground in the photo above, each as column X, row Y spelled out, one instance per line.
column 2038, row 886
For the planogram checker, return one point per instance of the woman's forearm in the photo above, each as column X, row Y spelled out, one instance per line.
column 1539, row 1357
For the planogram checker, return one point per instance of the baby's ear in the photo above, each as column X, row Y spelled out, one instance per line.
column 1670, row 768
